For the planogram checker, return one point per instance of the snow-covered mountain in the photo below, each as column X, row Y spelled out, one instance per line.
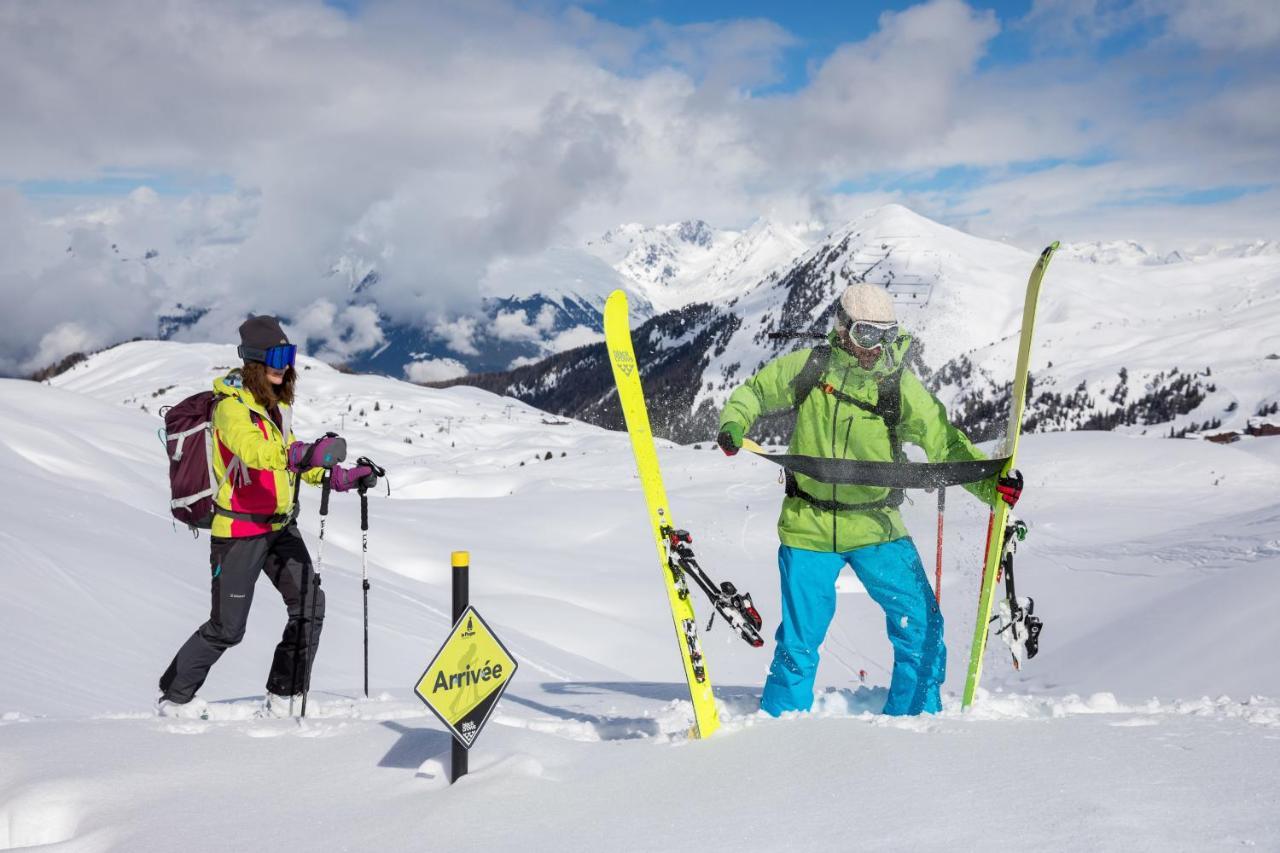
column 538, row 305
column 671, row 266
column 1130, row 253
column 543, row 304
column 1153, row 563
column 1121, row 252
column 1168, row 348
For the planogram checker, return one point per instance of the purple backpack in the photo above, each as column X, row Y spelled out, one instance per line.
column 188, row 440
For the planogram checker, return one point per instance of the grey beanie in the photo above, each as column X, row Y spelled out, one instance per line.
column 262, row 333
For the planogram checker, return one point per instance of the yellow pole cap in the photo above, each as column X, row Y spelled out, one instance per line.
column 460, row 559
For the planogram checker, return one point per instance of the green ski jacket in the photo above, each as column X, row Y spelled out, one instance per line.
column 828, row 427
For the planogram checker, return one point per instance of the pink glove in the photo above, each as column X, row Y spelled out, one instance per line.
column 344, row 479
column 324, row 453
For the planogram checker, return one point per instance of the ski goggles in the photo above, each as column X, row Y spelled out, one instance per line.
column 870, row 335
column 277, row 358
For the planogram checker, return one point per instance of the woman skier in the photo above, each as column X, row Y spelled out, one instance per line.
column 854, row 399
column 258, row 461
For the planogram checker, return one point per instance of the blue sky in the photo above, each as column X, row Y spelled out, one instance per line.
column 111, row 183
column 819, row 27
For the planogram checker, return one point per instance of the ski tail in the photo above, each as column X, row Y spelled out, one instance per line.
column 626, row 374
column 1000, row 515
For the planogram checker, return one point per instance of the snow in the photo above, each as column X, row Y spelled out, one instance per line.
column 1149, row 720
column 671, row 266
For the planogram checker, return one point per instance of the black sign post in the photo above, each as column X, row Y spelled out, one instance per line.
column 461, row 561
column 467, row 677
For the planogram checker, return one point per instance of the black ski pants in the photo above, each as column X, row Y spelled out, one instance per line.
column 236, row 563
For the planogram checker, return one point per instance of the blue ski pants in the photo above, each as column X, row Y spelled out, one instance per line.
column 895, row 579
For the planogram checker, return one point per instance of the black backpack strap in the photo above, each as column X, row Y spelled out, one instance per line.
column 888, row 407
column 811, row 374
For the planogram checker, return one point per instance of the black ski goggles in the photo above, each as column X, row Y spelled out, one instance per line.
column 865, row 333
column 277, row 358
column 868, row 334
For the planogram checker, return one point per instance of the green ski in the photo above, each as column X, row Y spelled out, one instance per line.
column 997, row 535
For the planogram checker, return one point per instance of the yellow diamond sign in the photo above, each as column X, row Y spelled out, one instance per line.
column 466, row 678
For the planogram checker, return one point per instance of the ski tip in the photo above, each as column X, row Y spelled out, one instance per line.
column 748, row 444
column 616, row 312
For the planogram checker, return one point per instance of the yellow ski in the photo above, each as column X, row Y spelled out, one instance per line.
column 626, row 373
column 1000, row 515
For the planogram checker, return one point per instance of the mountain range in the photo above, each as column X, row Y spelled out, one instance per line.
column 1175, row 343
column 1185, row 346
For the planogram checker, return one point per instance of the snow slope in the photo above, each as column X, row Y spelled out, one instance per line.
column 1153, row 563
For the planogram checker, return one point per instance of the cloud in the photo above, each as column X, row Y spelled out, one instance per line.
column 62, row 339
column 82, row 293
column 578, row 336
column 438, row 142
column 336, row 334
column 897, row 89
column 458, row 335
column 1232, row 25
column 515, row 325
column 434, row 370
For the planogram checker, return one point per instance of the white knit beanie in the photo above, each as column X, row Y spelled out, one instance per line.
column 869, row 302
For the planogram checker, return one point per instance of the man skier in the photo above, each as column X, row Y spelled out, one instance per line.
column 854, row 398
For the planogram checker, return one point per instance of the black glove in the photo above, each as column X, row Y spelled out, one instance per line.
column 1010, row 488
column 728, row 444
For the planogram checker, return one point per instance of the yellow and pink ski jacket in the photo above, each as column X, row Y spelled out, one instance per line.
column 248, row 440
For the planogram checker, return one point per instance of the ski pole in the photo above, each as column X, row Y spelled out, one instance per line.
column 378, row 471
column 304, row 626
column 302, row 582
column 308, row 627
column 942, row 508
column 364, row 577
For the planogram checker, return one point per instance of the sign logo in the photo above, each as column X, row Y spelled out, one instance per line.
column 624, row 361
column 467, row 677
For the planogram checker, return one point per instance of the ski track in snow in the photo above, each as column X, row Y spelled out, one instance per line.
column 1158, row 597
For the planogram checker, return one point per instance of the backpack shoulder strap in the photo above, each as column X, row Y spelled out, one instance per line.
column 889, row 402
column 811, row 373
